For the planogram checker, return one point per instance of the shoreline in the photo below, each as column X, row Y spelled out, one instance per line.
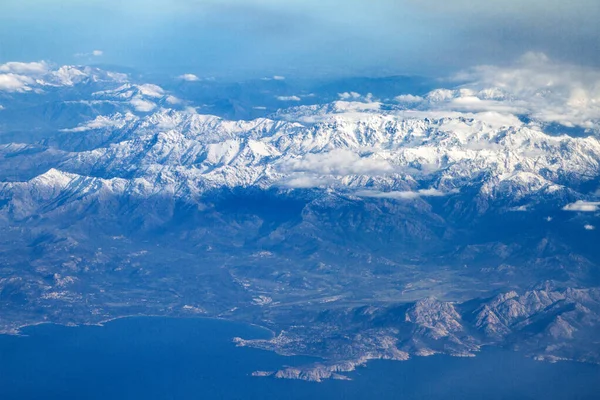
column 317, row 371
column 18, row 330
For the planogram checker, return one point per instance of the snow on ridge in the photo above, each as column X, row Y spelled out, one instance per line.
column 419, row 146
column 393, row 154
column 26, row 77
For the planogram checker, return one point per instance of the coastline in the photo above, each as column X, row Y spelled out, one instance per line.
column 18, row 330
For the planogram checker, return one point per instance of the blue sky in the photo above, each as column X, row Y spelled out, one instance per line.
column 431, row 37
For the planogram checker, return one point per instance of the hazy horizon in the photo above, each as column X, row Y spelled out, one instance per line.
column 245, row 38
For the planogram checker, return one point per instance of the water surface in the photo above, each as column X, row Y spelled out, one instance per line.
column 164, row 358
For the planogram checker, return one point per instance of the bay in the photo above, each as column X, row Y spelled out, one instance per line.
column 168, row 358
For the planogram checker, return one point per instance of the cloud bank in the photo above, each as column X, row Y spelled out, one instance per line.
column 340, row 162
column 20, row 76
column 310, row 37
column 535, row 86
column 189, row 77
column 288, row 98
column 583, row 206
column 404, row 195
column 547, row 90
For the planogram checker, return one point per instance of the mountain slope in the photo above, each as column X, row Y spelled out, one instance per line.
column 355, row 229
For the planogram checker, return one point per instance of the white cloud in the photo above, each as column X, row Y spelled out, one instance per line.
column 350, row 107
column 274, row 78
column 589, row 227
column 409, row 98
column 20, row 68
column 439, row 95
column 547, row 91
column 288, row 98
column 189, row 77
column 349, row 96
column 93, row 53
column 519, row 209
column 173, row 100
column 339, row 162
column 325, row 169
column 356, row 97
column 15, row 83
column 475, row 104
column 151, row 90
column 142, row 105
column 190, row 110
column 307, row 181
column 404, row 195
column 101, row 122
column 19, row 76
column 583, row 206
column 536, row 86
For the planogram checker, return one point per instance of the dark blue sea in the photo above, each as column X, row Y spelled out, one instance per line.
column 164, row 358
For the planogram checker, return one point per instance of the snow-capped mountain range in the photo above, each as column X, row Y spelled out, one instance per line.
column 365, row 147
column 18, row 77
column 118, row 197
column 386, row 154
